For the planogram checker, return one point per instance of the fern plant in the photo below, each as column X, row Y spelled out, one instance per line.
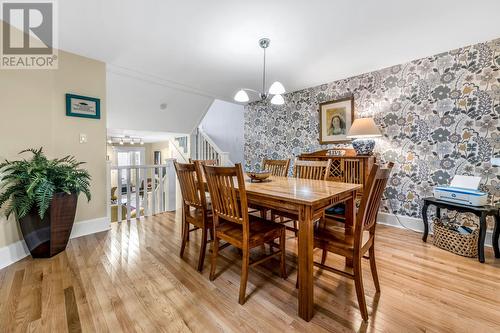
column 25, row 184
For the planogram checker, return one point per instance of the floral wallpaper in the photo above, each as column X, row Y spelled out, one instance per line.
column 439, row 117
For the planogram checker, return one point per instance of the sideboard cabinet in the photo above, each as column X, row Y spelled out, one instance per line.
column 348, row 168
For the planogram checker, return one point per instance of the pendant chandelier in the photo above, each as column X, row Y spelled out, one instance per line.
column 276, row 89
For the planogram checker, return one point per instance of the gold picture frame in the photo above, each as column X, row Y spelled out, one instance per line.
column 335, row 120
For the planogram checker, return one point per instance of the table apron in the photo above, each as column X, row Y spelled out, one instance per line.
column 283, row 205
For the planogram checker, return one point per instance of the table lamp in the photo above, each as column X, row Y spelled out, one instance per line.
column 362, row 131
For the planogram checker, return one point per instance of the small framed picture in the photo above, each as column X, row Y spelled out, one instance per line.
column 82, row 106
column 335, row 120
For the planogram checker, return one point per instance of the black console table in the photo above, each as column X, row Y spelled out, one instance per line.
column 480, row 211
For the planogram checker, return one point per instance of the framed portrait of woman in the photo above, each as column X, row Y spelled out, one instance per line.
column 335, row 120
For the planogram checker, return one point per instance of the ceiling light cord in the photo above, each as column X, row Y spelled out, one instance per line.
column 264, row 75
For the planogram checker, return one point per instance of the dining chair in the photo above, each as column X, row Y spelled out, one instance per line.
column 318, row 170
column 276, row 167
column 315, row 170
column 354, row 245
column 205, row 162
column 195, row 210
column 233, row 224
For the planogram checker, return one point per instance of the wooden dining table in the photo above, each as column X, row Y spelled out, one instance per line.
column 308, row 199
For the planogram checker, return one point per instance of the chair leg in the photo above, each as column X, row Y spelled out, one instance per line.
column 283, row 253
column 185, row 233
column 323, row 256
column 203, row 248
column 263, row 214
column 244, row 276
column 297, row 281
column 373, row 267
column 295, row 227
column 215, row 250
column 360, row 292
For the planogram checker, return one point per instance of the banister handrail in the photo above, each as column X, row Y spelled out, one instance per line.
column 210, row 141
column 223, row 155
column 124, row 167
column 145, row 189
column 172, row 142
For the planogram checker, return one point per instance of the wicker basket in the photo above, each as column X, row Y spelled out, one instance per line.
column 450, row 240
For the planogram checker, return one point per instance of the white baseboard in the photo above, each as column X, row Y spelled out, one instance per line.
column 88, row 227
column 413, row 223
column 16, row 251
column 13, row 252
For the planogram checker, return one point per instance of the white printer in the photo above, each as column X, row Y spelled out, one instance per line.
column 462, row 190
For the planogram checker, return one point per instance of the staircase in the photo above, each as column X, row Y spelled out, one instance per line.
column 205, row 149
column 180, row 148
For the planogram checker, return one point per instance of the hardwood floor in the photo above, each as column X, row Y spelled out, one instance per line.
column 132, row 279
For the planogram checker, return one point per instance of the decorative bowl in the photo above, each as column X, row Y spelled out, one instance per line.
column 258, row 176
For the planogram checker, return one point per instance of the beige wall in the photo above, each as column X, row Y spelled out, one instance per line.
column 147, row 152
column 32, row 110
column 163, row 147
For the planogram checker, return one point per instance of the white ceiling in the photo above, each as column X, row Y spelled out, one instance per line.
column 146, row 136
column 134, row 102
column 210, row 47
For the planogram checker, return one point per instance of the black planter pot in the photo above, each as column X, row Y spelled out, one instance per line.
column 46, row 238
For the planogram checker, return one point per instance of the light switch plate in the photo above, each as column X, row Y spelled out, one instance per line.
column 83, row 138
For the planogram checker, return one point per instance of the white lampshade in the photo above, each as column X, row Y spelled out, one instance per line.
column 241, row 96
column 276, row 88
column 277, row 100
column 363, row 128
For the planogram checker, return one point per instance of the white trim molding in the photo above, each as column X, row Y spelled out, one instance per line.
column 88, row 227
column 13, row 252
column 16, row 251
column 415, row 224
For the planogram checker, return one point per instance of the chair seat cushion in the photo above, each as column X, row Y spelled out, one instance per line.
column 261, row 231
column 336, row 210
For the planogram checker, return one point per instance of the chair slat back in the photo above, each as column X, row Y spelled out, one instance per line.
column 317, row 170
column 229, row 201
column 192, row 190
column 277, row 167
column 370, row 202
column 205, row 162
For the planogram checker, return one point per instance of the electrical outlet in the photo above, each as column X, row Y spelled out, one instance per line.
column 83, row 138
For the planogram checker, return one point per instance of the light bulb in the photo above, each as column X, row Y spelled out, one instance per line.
column 277, row 100
column 121, row 141
column 132, row 142
column 110, row 141
column 241, row 96
column 276, row 88
column 142, row 142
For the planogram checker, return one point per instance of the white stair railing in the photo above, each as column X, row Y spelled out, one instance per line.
column 206, row 149
column 146, row 189
column 178, row 152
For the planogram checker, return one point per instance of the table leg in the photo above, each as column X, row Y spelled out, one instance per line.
column 305, row 275
column 482, row 235
column 350, row 219
column 426, row 221
column 496, row 236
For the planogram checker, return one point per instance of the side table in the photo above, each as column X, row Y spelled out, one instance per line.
column 480, row 211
